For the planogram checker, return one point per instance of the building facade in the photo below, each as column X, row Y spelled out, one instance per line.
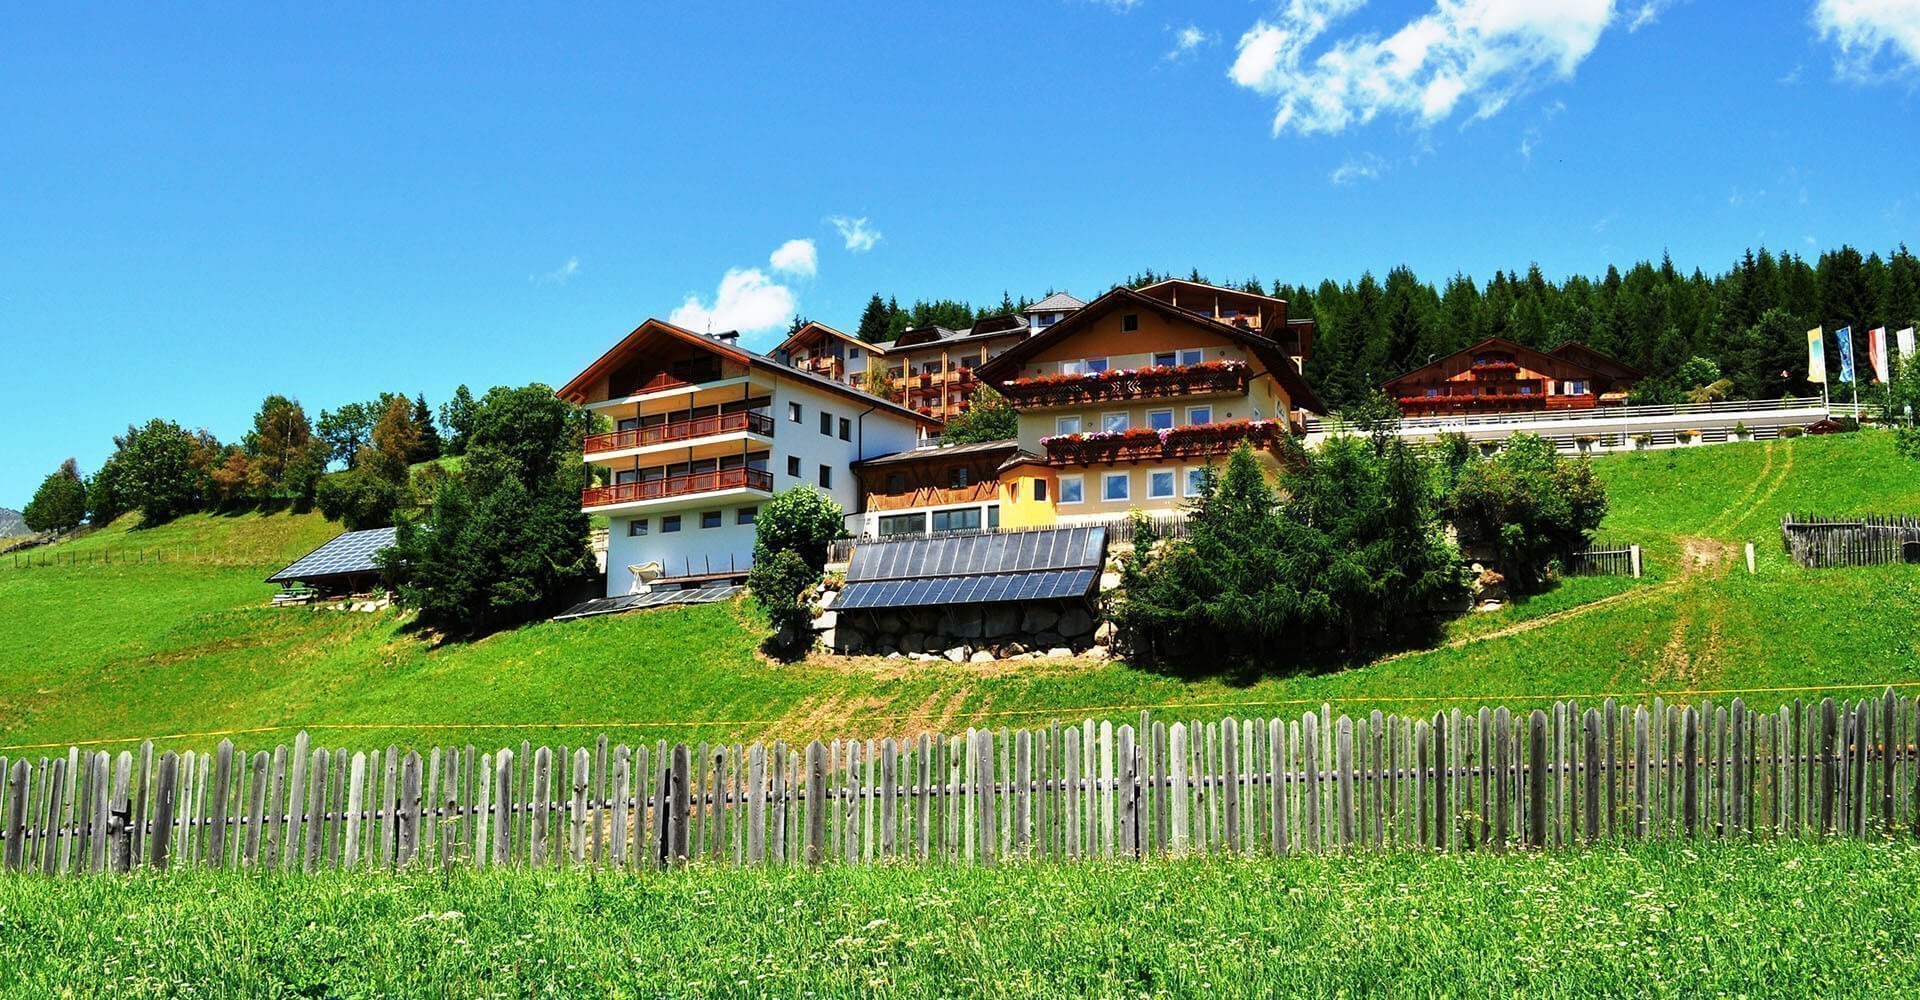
column 1500, row 376
column 704, row 431
column 1125, row 402
column 825, row 351
column 935, row 490
column 932, row 368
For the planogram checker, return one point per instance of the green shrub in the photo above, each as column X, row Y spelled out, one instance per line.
column 1791, row 432
column 792, row 534
column 1533, row 505
column 60, row 504
column 359, row 498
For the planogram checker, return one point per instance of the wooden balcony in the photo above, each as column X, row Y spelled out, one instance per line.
column 827, row 365
column 1154, row 446
column 1143, row 383
column 677, row 486
column 681, row 430
column 935, row 496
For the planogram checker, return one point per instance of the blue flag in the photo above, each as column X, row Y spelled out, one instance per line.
column 1845, row 334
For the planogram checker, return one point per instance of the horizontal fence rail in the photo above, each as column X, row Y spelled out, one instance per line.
column 1605, row 559
column 1612, row 413
column 1816, row 541
column 1485, row 780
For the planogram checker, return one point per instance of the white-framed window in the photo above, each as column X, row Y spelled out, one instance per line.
column 1160, row 484
column 1073, row 489
column 1116, row 486
column 1095, row 364
column 1197, row 415
column 1196, row 479
column 1115, row 421
column 793, row 412
column 1160, row 420
column 1192, row 356
column 1166, row 359
column 1075, row 367
column 1067, row 425
column 1575, row 387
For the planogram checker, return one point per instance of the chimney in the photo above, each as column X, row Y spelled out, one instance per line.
column 729, row 337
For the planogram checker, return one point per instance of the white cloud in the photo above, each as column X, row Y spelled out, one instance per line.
column 559, row 275
column 799, row 257
column 860, row 239
column 1366, row 167
column 1647, row 12
column 1865, row 29
column 1187, row 41
column 1482, row 53
column 747, row 301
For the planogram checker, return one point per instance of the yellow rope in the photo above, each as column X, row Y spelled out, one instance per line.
column 990, row 713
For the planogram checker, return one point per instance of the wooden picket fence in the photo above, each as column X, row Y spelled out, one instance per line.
column 1457, row 780
column 1816, row 541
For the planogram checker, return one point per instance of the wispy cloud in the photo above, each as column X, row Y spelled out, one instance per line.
column 1481, row 54
column 559, row 275
column 1647, row 12
column 1600, row 225
column 1871, row 34
column 859, row 237
column 1365, row 167
column 1187, row 41
column 799, row 257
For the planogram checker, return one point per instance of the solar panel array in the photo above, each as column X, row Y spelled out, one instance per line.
column 656, row 599
column 348, row 553
column 975, row 569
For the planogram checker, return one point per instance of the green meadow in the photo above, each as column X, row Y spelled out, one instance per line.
column 185, row 650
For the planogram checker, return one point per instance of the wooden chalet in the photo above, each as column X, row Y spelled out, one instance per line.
column 1500, row 376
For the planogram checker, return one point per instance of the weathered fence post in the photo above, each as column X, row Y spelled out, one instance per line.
column 816, row 848
column 1536, row 780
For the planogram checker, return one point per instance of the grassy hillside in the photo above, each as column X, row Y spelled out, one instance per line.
column 1712, row 919
column 188, row 649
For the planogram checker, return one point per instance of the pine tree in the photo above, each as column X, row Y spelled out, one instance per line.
column 873, row 321
column 427, row 434
column 456, row 416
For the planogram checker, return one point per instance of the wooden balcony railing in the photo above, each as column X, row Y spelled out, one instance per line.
column 934, row 496
column 1141, row 383
column 681, row 430
column 1157, row 446
column 678, row 486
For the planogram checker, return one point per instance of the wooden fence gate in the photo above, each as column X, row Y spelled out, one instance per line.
column 1483, row 780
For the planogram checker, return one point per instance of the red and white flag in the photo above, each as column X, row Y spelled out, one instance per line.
column 1877, row 351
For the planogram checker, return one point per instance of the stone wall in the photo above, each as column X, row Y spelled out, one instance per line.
column 975, row 633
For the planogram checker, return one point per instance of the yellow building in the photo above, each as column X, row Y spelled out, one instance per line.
column 1124, row 403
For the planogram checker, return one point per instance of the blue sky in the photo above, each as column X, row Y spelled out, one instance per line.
column 201, row 207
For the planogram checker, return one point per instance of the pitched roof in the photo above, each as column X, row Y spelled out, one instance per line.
column 944, row 451
column 1593, row 359
column 814, row 327
column 1264, row 349
column 1057, row 302
column 577, row 387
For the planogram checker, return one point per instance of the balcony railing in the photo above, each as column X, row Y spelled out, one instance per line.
column 934, row 496
column 1143, row 445
column 681, row 430
column 1134, row 383
column 678, row 486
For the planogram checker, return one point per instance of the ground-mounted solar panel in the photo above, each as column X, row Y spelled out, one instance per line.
column 345, row 555
column 655, row 599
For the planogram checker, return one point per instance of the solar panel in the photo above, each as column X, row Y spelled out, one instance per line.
column 347, row 553
column 977, row 589
column 656, row 599
column 968, row 555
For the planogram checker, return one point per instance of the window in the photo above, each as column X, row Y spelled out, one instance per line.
column 964, row 519
column 1160, row 484
column 637, row 527
column 1576, row 387
column 1039, row 491
column 894, row 525
column 1165, row 359
column 710, row 519
column 1072, row 489
column 1096, row 364
column 1196, row 480
column 1073, row 367
column 1066, row 425
column 993, row 517
column 826, row 477
column 793, row 465
column 853, row 354
column 1160, row 420
column 846, row 429
column 793, row 412
column 896, row 482
column 1129, row 322
column 1192, row 356
column 1115, row 486
column 670, row 524
column 745, row 515
column 1197, row 415
column 1114, row 422
column 826, row 423
column 960, row 477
